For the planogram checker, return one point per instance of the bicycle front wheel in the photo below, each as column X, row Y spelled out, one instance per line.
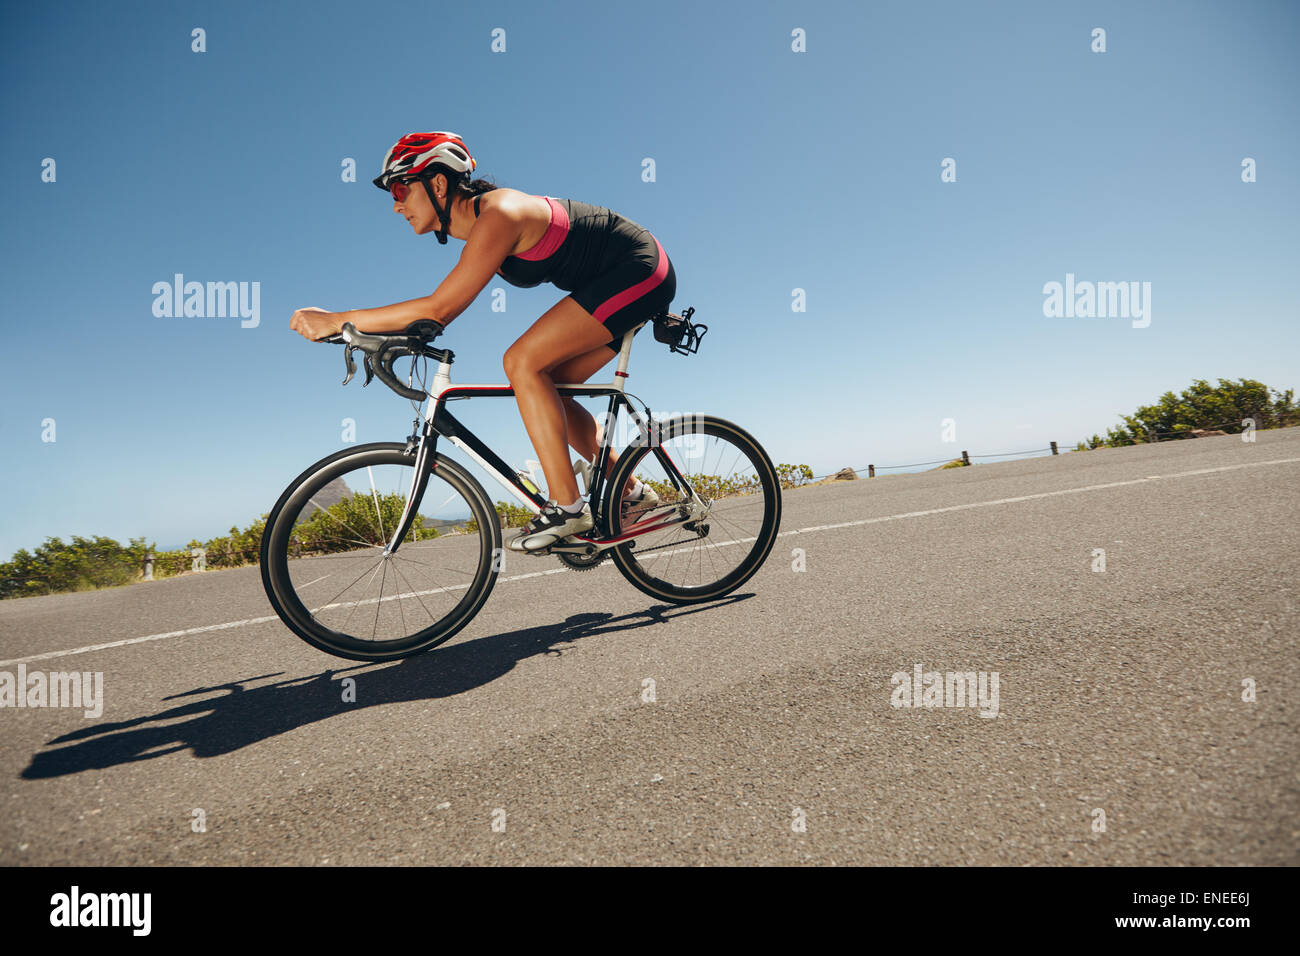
column 323, row 563
column 734, row 514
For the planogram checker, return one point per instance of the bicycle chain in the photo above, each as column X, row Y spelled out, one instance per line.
column 580, row 564
column 671, row 544
column 659, row 547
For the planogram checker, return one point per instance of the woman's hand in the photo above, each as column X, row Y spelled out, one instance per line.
column 314, row 324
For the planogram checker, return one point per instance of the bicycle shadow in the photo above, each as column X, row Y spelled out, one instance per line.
column 246, row 715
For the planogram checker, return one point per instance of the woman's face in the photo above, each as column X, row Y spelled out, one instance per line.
column 416, row 208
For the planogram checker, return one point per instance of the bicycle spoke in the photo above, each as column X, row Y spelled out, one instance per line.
column 378, row 604
column 358, row 604
column 347, row 587
column 414, row 594
column 400, row 609
column 335, row 518
column 379, row 513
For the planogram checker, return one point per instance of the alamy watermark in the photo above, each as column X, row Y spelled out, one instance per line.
column 1098, row 300
column 923, row 688
column 75, row 908
column 82, row 689
column 211, row 300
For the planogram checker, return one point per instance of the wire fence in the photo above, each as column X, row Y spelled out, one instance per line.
column 1153, row 436
column 965, row 459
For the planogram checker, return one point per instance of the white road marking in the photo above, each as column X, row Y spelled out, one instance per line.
column 139, row 640
column 825, row 527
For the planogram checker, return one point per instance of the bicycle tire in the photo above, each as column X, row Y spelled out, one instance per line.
column 276, row 556
column 626, row 557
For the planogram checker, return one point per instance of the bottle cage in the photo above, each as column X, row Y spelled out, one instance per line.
column 678, row 332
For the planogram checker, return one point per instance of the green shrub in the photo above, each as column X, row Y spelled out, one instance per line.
column 80, row 565
column 511, row 515
column 792, row 476
column 1205, row 406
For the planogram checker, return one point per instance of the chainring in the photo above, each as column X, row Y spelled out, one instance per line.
column 582, row 562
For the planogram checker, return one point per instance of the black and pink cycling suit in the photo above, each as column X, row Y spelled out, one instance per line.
column 610, row 265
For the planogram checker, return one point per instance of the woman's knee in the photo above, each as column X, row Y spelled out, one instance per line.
column 519, row 363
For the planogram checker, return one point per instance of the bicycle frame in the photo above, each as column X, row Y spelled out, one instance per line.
column 440, row 422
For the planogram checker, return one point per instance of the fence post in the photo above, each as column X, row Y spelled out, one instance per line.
column 297, row 547
column 148, row 566
column 871, row 471
column 965, row 458
column 1054, row 451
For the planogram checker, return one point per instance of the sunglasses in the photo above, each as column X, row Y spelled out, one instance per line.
column 401, row 188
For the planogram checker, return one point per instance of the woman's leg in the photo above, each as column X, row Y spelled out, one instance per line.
column 566, row 331
column 623, row 297
column 581, row 424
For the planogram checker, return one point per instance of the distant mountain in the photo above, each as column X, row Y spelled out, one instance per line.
column 443, row 522
column 332, row 493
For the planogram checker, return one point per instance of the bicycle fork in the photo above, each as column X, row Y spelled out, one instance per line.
column 425, row 446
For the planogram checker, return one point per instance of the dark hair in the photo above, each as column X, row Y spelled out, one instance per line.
column 474, row 187
column 465, row 187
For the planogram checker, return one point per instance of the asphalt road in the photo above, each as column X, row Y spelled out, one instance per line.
column 771, row 738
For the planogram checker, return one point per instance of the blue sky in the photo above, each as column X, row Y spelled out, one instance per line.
column 775, row 171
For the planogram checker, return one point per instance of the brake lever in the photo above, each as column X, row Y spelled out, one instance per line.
column 347, row 360
column 370, row 372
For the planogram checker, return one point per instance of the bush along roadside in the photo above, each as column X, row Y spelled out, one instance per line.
column 84, row 564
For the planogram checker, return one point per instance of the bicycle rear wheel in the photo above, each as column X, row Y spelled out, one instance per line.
column 322, row 554
column 719, row 550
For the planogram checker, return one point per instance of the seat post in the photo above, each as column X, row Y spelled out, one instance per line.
column 624, row 355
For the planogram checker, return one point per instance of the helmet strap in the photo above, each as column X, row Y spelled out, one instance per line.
column 444, row 214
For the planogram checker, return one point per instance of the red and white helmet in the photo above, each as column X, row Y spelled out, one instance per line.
column 415, row 152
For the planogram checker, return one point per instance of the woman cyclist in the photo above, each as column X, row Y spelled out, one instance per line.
column 616, row 273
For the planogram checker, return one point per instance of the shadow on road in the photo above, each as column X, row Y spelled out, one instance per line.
column 245, row 715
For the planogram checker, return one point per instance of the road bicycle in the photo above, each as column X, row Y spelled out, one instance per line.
column 388, row 549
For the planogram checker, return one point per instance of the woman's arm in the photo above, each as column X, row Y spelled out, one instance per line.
column 391, row 318
column 495, row 233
